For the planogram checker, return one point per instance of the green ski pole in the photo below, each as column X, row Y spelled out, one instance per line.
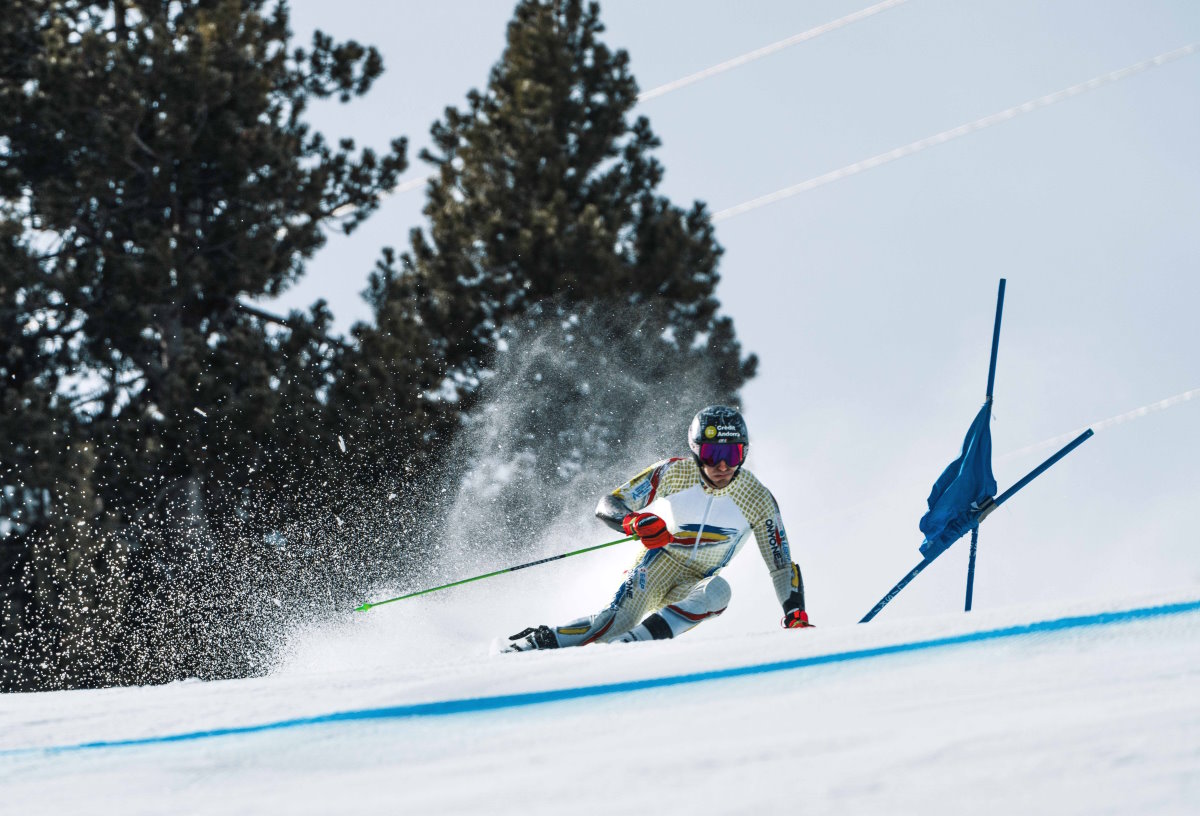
column 367, row 606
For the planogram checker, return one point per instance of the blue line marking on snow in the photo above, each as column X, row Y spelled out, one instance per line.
column 476, row 704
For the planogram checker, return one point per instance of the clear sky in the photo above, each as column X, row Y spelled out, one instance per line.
column 870, row 300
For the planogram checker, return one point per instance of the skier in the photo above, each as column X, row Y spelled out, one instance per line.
column 705, row 507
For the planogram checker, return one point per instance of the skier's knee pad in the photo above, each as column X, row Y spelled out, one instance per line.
column 717, row 593
column 706, row 600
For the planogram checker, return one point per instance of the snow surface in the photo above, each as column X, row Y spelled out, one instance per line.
column 1101, row 715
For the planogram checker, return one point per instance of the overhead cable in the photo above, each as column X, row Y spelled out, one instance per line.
column 954, row 133
column 767, row 50
column 1104, row 424
column 736, row 62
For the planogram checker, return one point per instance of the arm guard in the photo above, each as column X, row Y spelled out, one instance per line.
column 773, row 545
column 612, row 511
column 794, row 599
column 632, row 496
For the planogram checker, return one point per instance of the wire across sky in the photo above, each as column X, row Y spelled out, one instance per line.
column 1105, row 424
column 953, row 133
column 417, row 182
column 766, row 50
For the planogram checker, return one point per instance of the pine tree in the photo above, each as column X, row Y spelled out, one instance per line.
column 546, row 229
column 156, row 172
column 545, row 191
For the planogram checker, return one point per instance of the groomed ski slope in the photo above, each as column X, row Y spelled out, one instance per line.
column 1082, row 709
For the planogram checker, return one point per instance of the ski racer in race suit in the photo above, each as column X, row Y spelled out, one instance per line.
column 704, row 507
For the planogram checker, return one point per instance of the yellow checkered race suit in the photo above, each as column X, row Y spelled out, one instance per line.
column 669, row 590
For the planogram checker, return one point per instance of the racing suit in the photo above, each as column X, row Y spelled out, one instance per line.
column 678, row 584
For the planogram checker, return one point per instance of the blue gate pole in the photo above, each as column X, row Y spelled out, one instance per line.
column 990, row 386
column 894, row 591
column 1037, row 471
column 995, row 341
column 971, row 568
column 984, row 512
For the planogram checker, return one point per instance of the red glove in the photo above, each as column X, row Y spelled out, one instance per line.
column 797, row 619
column 649, row 528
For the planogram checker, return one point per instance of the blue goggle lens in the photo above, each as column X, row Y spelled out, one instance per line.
column 730, row 453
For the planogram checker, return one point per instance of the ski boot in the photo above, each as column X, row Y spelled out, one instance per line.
column 532, row 638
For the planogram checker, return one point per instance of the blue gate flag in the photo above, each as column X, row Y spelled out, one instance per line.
column 959, row 493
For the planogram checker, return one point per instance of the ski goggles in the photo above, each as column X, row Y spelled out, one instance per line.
column 731, row 454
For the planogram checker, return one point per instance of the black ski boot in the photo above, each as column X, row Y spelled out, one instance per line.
column 528, row 639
